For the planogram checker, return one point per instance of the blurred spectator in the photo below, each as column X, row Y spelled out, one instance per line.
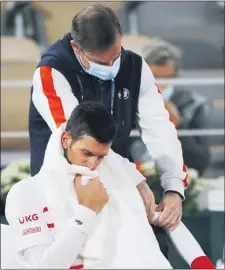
column 24, row 19
column 187, row 110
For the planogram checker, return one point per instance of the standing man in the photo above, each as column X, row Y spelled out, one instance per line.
column 90, row 64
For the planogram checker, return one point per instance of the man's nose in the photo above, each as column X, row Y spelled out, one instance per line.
column 92, row 163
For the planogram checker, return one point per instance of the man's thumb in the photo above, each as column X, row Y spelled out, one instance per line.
column 159, row 208
column 77, row 181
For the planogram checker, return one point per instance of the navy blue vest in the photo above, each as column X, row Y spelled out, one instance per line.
column 61, row 57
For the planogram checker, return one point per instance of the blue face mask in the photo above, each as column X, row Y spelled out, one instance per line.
column 103, row 72
column 167, row 93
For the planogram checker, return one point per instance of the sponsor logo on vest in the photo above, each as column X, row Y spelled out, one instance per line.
column 29, row 218
column 126, row 93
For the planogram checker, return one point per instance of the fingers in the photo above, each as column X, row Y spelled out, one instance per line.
column 151, row 212
column 162, row 221
column 149, row 202
column 95, row 179
column 170, row 217
column 159, row 208
column 147, row 198
column 77, row 182
column 151, row 209
column 171, row 220
column 147, row 206
column 95, row 183
column 176, row 223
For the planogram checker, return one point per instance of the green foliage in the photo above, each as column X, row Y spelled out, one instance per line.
column 13, row 173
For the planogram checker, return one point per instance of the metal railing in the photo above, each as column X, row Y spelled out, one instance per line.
column 190, row 132
column 134, row 133
column 176, row 81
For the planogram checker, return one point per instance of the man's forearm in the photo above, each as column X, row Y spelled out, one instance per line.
column 63, row 252
column 60, row 254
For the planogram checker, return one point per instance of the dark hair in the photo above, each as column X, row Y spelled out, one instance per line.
column 93, row 119
column 95, row 28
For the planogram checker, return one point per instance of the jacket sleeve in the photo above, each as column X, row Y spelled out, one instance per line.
column 35, row 244
column 135, row 176
column 62, row 253
column 196, row 149
column 159, row 134
column 52, row 96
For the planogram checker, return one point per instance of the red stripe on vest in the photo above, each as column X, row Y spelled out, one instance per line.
column 54, row 101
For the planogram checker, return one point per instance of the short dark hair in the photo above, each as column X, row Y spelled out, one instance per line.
column 92, row 119
column 95, row 28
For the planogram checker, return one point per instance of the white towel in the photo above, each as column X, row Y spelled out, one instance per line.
column 122, row 237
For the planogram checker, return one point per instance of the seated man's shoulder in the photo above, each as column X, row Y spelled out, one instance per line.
column 182, row 93
column 24, row 190
column 185, row 97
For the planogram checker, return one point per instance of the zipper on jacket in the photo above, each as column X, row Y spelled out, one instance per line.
column 102, row 91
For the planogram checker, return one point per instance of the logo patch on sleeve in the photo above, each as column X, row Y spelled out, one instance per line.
column 30, row 218
column 31, row 230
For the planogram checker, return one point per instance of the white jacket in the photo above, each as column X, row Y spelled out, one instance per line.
column 51, row 230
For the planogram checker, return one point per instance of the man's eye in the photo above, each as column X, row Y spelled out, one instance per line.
column 101, row 157
column 88, row 154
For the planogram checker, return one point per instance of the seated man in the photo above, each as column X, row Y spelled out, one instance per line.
column 188, row 110
column 82, row 210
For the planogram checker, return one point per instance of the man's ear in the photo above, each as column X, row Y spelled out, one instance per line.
column 75, row 46
column 66, row 140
